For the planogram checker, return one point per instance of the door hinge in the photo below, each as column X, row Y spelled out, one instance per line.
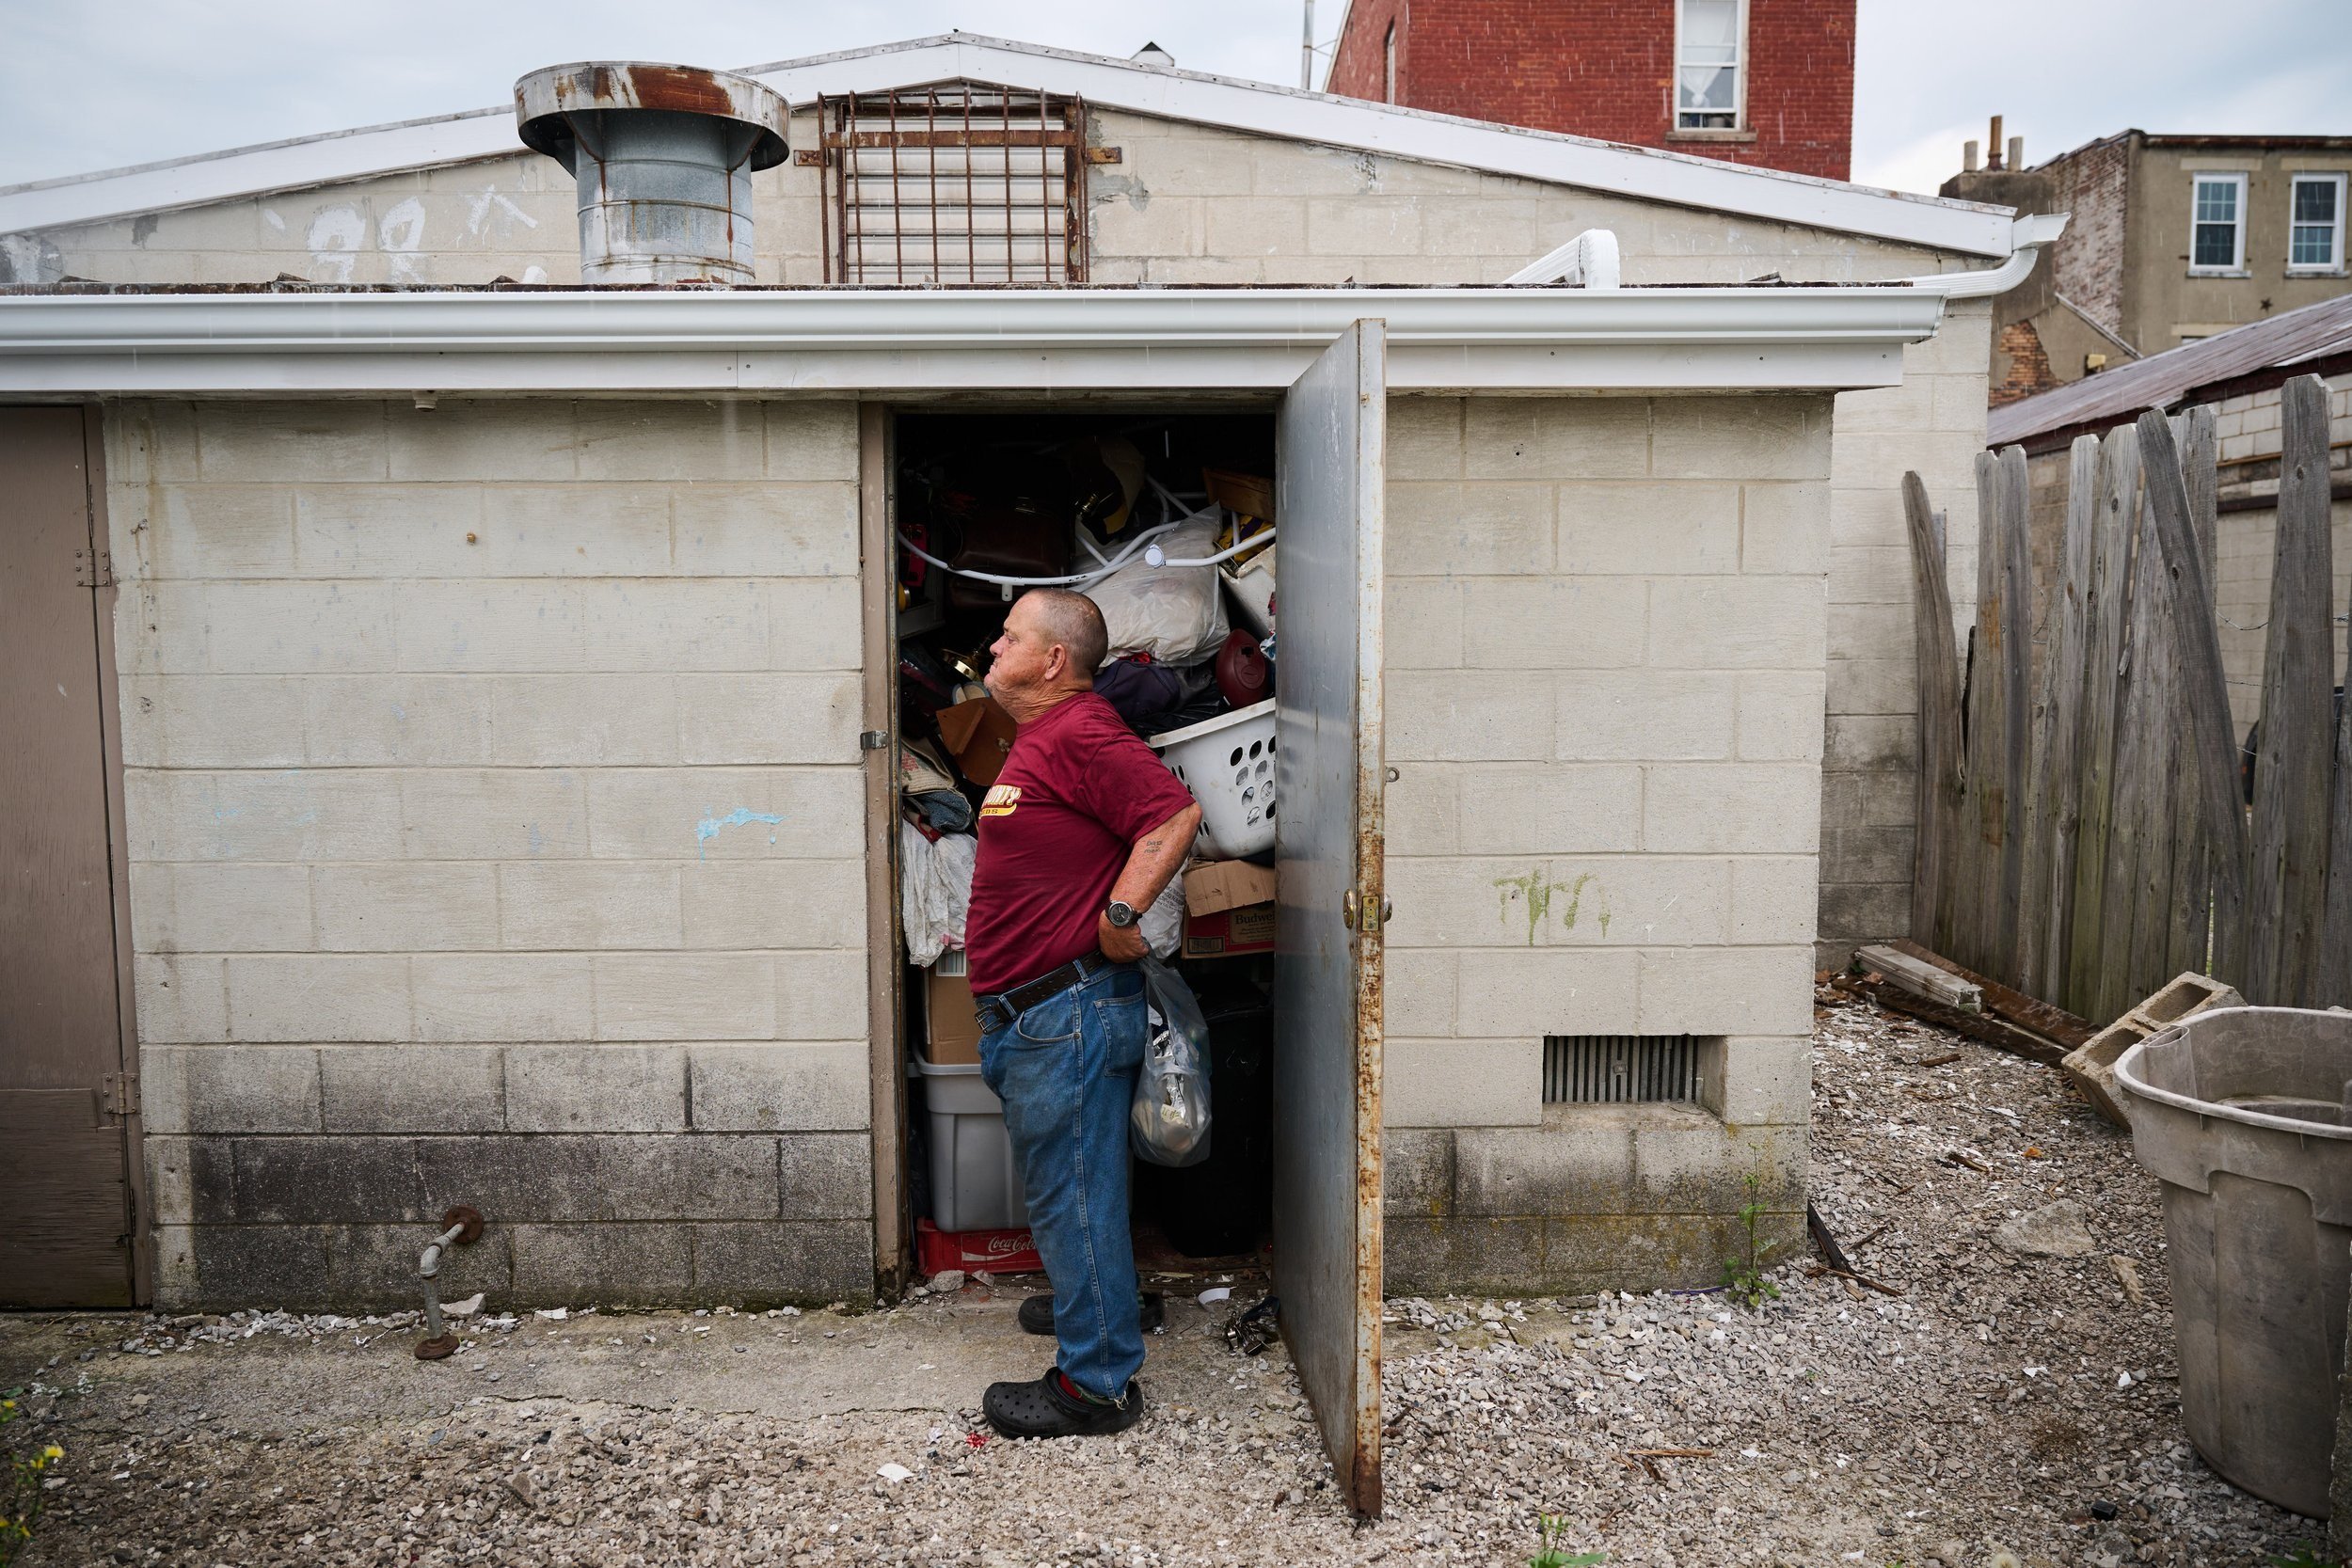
column 119, row 1094
column 873, row 740
column 94, row 568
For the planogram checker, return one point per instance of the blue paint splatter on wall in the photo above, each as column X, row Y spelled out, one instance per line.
column 707, row 829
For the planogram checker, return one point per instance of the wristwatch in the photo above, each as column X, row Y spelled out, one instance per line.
column 1122, row 915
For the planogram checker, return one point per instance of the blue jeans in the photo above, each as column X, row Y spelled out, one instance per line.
column 1066, row 1071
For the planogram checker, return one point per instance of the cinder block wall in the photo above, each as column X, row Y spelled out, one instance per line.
column 495, row 819
column 1606, row 622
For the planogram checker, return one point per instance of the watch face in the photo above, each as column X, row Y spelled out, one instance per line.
column 1121, row 914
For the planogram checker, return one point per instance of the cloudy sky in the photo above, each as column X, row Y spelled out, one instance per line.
column 86, row 86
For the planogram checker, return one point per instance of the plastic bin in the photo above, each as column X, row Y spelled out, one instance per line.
column 974, row 1183
column 1227, row 764
column 2241, row 1113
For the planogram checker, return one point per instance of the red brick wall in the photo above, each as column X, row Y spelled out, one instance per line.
column 2021, row 367
column 1605, row 69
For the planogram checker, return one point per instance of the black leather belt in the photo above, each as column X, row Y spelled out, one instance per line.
column 999, row 1010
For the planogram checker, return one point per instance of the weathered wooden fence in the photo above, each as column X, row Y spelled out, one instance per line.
column 2082, row 832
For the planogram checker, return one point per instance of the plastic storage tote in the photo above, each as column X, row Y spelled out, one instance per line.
column 2241, row 1113
column 1227, row 764
column 974, row 1183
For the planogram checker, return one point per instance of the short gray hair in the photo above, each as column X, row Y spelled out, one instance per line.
column 1074, row 622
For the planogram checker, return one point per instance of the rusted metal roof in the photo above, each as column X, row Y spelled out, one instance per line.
column 2244, row 358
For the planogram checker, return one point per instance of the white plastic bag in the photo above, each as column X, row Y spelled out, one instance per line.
column 934, row 891
column 1175, row 613
column 1169, row 1122
column 1164, row 922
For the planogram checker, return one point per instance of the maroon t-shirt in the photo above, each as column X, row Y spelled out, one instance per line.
column 1078, row 790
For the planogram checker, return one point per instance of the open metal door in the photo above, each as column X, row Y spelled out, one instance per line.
column 1329, row 487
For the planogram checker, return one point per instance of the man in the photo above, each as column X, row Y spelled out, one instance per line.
column 1079, row 834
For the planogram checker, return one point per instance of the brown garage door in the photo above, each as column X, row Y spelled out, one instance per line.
column 67, row 1239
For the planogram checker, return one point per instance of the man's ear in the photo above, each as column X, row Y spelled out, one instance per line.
column 1057, row 663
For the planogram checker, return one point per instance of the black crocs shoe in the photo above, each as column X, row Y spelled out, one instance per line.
column 1044, row 1409
column 1036, row 1313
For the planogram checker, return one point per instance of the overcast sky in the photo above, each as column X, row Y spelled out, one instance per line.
column 97, row 85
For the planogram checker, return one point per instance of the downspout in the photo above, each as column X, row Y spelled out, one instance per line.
column 2028, row 234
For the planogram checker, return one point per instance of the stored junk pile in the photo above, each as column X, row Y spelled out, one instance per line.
column 1170, row 527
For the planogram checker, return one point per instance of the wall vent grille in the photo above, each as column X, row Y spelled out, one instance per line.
column 963, row 185
column 1615, row 1070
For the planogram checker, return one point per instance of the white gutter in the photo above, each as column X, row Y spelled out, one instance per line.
column 1260, row 108
column 2028, row 234
column 941, row 340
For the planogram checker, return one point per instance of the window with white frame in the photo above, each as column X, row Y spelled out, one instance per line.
column 1711, row 83
column 1388, row 66
column 2218, row 232
column 2315, row 223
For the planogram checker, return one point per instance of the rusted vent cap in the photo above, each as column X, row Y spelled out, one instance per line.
column 545, row 99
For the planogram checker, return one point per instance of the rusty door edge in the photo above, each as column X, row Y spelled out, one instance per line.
column 140, row 1220
column 893, row 1229
column 1364, row 1482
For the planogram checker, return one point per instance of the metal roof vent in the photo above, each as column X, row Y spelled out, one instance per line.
column 663, row 156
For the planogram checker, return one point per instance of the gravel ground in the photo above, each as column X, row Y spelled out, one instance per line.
column 1998, row 1406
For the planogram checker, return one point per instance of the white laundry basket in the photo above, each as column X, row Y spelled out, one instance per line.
column 1227, row 764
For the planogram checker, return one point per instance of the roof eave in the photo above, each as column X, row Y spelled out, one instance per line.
column 859, row 342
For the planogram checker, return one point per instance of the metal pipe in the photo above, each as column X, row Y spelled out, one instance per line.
column 464, row 1229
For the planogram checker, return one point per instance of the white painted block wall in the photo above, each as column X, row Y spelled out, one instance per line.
column 495, row 814
column 1607, row 623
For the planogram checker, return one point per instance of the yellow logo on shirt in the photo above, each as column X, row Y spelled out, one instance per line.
column 1000, row 800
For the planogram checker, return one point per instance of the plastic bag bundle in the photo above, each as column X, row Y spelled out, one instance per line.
column 1168, row 1123
column 934, row 891
column 1164, row 922
column 1175, row 613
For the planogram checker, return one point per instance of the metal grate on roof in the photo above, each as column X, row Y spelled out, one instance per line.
column 965, row 184
column 1621, row 1070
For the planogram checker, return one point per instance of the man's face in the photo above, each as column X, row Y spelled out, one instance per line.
column 1022, row 658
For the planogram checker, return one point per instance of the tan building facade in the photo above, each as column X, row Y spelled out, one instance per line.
column 2173, row 239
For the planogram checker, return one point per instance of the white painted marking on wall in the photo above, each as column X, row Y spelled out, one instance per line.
column 535, row 274
column 401, row 232
column 335, row 237
column 270, row 216
column 482, row 204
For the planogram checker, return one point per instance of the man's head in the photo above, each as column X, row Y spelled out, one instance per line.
column 1052, row 644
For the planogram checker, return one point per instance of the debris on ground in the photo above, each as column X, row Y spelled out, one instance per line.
column 2004, row 1408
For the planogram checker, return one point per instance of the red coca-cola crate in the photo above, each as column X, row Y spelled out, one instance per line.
column 996, row 1251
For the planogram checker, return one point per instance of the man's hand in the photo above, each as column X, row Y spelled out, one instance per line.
column 1121, row 944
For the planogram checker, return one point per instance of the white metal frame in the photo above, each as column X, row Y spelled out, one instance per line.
column 1640, row 173
column 1738, row 80
column 2197, row 181
column 2334, row 264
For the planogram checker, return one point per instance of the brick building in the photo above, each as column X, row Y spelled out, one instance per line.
column 2173, row 239
column 1763, row 82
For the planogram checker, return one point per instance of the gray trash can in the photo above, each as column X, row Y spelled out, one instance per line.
column 2241, row 1113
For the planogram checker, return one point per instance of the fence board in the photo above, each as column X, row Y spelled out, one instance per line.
column 2134, row 780
column 2059, row 744
column 1937, row 658
column 2192, row 893
column 2211, row 737
column 2145, row 767
column 2286, row 875
column 2103, row 642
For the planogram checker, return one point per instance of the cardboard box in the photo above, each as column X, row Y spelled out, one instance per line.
column 952, row 1020
column 978, row 734
column 1227, row 885
column 1230, row 933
